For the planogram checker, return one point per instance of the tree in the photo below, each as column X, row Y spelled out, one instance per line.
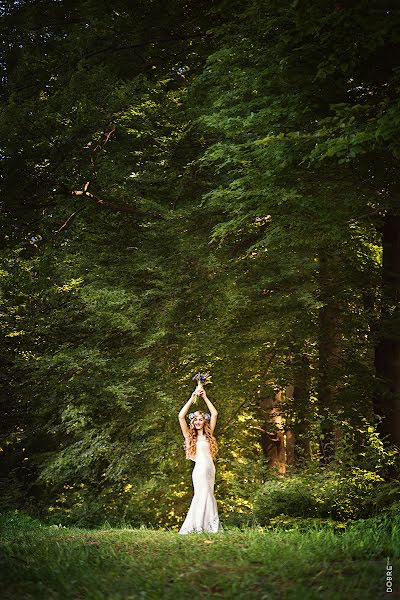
column 295, row 165
column 191, row 188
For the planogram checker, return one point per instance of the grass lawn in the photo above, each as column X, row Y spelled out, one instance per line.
column 51, row 562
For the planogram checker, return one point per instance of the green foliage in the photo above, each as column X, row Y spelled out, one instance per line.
column 65, row 562
column 290, row 523
column 18, row 519
column 291, row 497
column 325, row 494
column 193, row 188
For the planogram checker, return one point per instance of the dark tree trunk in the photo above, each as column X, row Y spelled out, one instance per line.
column 301, row 396
column 292, row 440
column 329, row 350
column 387, row 348
column 272, row 438
column 290, row 448
column 290, row 436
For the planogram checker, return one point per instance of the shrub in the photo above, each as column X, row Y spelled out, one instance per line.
column 291, row 497
column 16, row 518
column 342, row 496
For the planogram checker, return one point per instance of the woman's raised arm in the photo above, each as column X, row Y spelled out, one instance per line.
column 183, row 413
column 213, row 410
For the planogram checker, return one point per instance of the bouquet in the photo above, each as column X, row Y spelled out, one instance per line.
column 202, row 379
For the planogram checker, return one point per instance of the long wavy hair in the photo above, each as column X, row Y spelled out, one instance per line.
column 190, row 444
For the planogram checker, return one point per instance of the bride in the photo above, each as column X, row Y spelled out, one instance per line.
column 201, row 447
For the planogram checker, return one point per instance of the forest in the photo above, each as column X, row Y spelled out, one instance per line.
column 200, row 186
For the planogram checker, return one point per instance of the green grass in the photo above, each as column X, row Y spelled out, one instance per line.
column 50, row 562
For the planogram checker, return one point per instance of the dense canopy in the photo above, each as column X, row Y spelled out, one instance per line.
column 206, row 186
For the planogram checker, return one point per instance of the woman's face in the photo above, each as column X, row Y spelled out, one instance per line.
column 198, row 422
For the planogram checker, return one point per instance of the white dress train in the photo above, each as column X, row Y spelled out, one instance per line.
column 203, row 511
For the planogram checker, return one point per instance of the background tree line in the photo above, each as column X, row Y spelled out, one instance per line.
column 200, row 186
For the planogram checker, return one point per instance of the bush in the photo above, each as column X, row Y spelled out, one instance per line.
column 291, row 497
column 356, row 494
column 305, row 523
column 16, row 518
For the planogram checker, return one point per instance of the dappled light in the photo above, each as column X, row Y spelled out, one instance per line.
column 200, row 194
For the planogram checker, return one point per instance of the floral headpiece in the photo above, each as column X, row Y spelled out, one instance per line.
column 206, row 416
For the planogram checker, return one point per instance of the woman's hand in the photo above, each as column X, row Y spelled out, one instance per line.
column 195, row 393
column 202, row 393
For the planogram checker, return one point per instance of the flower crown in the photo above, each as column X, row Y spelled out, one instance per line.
column 206, row 416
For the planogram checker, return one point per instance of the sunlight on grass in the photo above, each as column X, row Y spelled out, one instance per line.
column 61, row 563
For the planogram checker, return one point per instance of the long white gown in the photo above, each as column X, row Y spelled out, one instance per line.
column 203, row 511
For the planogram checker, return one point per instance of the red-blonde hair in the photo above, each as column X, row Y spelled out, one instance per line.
column 190, row 443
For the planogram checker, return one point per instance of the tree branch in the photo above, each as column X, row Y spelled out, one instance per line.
column 112, row 49
column 106, row 203
column 97, row 150
column 367, row 215
column 67, row 222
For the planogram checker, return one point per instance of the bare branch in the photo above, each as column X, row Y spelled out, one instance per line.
column 106, row 203
column 96, row 152
column 367, row 215
column 67, row 222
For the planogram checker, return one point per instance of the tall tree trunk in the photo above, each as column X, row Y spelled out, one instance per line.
column 272, row 438
column 329, row 349
column 290, row 448
column 387, row 349
column 301, row 396
column 290, row 435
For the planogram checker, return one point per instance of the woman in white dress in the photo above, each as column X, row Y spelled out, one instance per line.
column 201, row 447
